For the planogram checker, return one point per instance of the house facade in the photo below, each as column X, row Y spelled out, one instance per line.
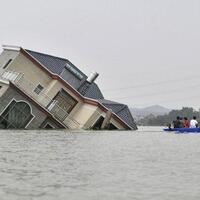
column 54, row 94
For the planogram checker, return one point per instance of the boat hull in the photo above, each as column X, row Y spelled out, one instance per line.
column 183, row 130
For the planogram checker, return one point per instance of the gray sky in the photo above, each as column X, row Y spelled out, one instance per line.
column 146, row 51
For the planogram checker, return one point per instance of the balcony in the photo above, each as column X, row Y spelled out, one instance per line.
column 57, row 110
column 42, row 98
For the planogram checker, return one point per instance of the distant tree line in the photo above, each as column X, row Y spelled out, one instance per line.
column 163, row 120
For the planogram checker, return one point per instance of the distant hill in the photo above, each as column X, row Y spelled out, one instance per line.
column 139, row 113
column 163, row 120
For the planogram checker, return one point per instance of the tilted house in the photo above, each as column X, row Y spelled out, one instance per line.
column 43, row 91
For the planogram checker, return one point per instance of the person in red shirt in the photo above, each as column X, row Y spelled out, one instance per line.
column 186, row 122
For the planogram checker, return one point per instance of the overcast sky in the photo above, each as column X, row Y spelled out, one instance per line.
column 146, row 51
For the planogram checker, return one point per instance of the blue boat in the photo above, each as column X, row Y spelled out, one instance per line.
column 183, row 130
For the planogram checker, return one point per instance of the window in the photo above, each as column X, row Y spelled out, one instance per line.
column 65, row 101
column 16, row 115
column 48, row 126
column 112, row 127
column 74, row 71
column 38, row 89
column 99, row 122
column 62, row 104
column 6, row 65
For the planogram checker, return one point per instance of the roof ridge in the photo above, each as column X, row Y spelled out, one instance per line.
column 48, row 55
column 64, row 59
column 107, row 101
column 119, row 104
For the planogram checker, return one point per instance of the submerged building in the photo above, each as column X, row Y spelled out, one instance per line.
column 43, row 91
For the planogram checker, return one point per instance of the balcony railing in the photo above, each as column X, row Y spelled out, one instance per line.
column 11, row 76
column 42, row 99
column 57, row 110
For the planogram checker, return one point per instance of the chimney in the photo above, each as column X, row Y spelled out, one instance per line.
column 93, row 76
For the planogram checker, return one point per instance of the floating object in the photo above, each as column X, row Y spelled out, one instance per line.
column 183, row 130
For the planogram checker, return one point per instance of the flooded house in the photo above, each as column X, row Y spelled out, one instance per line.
column 38, row 90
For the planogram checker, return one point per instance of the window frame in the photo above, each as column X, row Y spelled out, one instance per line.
column 37, row 90
column 5, row 112
column 65, row 92
column 49, row 125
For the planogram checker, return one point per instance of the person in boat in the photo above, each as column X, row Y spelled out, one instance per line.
column 169, row 126
column 177, row 123
column 181, row 123
column 193, row 123
column 186, row 122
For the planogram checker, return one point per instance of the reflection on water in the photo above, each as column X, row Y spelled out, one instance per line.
column 143, row 164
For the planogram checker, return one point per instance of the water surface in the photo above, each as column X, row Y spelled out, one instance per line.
column 115, row 165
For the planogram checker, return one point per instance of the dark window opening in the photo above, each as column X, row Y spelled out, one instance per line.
column 38, row 89
column 99, row 122
column 48, row 126
column 16, row 115
column 112, row 127
column 6, row 65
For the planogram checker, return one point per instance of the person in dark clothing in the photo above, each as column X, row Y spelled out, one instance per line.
column 181, row 123
column 177, row 123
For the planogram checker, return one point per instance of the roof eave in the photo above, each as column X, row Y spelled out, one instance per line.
column 11, row 47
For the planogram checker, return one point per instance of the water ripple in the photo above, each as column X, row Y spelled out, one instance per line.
column 60, row 165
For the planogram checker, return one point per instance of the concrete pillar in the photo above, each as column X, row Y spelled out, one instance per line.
column 106, row 121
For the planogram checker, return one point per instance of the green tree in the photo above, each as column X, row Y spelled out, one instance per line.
column 163, row 120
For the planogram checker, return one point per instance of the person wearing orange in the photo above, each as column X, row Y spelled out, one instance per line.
column 186, row 122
